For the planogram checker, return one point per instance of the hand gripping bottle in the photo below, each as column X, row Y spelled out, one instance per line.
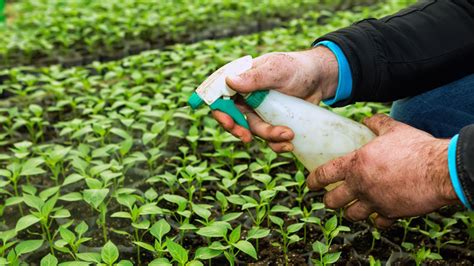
column 320, row 135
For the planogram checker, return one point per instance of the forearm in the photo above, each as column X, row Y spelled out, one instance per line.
column 415, row 50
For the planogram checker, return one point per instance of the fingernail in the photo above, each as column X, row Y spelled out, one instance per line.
column 285, row 135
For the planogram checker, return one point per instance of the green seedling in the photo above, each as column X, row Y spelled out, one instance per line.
column 23, row 247
column 229, row 244
column 406, row 227
column 7, row 238
column 108, row 256
column 159, row 231
column 288, row 234
column 422, row 254
column 53, row 159
column 43, row 211
column 136, row 214
column 436, row 232
column 268, row 162
column 468, row 219
column 330, row 230
column 70, row 241
column 375, row 236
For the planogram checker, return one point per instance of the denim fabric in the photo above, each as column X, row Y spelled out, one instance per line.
column 442, row 111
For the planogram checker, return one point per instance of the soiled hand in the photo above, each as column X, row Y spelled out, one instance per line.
column 401, row 173
column 310, row 75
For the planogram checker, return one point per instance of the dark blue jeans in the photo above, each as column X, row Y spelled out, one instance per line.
column 442, row 111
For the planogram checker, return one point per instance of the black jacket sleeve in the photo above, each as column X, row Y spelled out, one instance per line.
column 425, row 46
column 465, row 162
column 420, row 48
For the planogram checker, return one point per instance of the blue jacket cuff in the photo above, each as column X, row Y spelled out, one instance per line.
column 344, row 85
column 453, row 173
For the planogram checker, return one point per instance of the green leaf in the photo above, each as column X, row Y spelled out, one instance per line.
column 89, row 257
column 214, row 230
column 331, row 224
column 124, row 263
column 31, row 167
column 61, row 213
column 160, row 262
column 33, row 201
column 205, row 253
column 246, row 247
column 49, row 260
column 67, row 235
column 81, row 228
column 294, row 228
column 109, row 253
column 331, row 258
column 194, row 263
column 235, row 234
column 231, row 216
column 276, row 220
column 95, row 196
column 320, row 247
column 160, row 229
column 176, row 251
column 73, row 196
column 25, row 222
column 27, row 246
column 144, row 245
column 72, row 178
column 256, row 233
column 201, row 211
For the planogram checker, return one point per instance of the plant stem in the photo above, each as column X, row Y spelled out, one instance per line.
column 48, row 236
column 138, row 247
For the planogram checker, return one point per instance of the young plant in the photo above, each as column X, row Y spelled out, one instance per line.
column 467, row 219
column 422, row 254
column 70, row 241
column 437, row 232
column 330, row 230
column 7, row 238
column 136, row 214
column 23, row 247
column 44, row 211
column 159, row 231
column 289, row 234
column 229, row 244
column 108, row 256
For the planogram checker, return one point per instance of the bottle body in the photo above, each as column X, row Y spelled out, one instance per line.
column 320, row 135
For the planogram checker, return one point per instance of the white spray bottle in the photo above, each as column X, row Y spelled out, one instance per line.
column 320, row 135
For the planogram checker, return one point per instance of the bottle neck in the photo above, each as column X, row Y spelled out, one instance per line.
column 255, row 98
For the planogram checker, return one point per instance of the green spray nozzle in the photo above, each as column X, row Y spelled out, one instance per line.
column 215, row 92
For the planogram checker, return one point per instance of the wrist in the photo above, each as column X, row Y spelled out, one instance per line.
column 327, row 69
column 439, row 171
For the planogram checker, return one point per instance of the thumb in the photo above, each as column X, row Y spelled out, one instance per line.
column 380, row 123
column 256, row 78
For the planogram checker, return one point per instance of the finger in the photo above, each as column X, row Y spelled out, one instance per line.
column 332, row 172
column 281, row 146
column 267, row 131
column 228, row 124
column 259, row 77
column 382, row 222
column 339, row 197
column 380, row 123
column 357, row 211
